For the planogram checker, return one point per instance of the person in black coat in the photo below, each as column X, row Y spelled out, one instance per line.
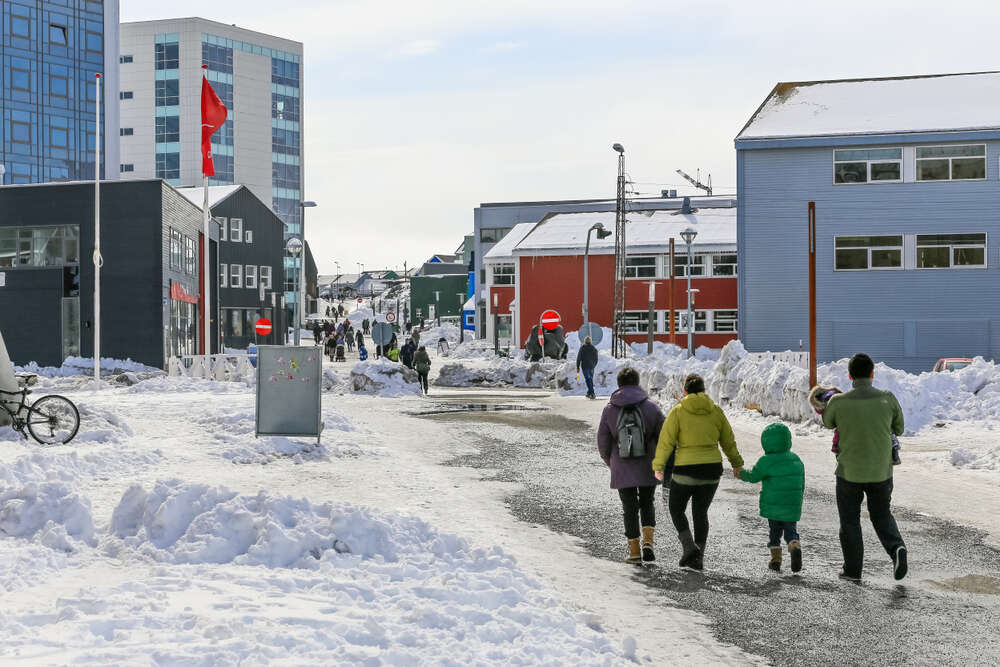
column 361, row 340
column 406, row 353
column 586, row 362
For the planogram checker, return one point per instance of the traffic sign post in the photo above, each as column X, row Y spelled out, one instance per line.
column 263, row 326
column 390, row 317
column 381, row 333
column 593, row 331
column 550, row 320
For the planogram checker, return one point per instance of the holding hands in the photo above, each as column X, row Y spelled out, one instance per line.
column 736, row 472
column 658, row 474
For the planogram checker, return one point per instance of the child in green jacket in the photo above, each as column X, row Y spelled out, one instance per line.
column 783, row 480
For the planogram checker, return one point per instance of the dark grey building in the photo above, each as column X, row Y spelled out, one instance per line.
column 250, row 262
column 151, row 242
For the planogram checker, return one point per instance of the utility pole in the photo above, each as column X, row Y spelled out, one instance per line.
column 812, row 294
column 696, row 182
column 673, row 269
column 618, row 332
column 651, row 318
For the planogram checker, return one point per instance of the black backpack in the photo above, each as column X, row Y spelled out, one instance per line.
column 631, row 432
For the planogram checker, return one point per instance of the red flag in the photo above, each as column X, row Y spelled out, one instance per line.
column 213, row 115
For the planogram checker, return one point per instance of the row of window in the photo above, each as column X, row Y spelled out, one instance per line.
column 22, row 79
column 240, row 321
column 705, row 321
column 240, row 275
column 929, row 251
column 931, row 163
column 58, row 34
column 183, row 253
column 492, row 234
column 39, row 247
column 716, row 265
column 232, row 230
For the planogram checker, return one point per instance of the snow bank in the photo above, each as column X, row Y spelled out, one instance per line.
column 988, row 459
column 498, row 372
column 431, row 335
column 167, row 384
column 471, row 349
column 98, row 424
column 84, row 366
column 383, row 377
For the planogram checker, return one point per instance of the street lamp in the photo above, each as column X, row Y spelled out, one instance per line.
column 437, row 307
column 689, row 235
column 294, row 246
column 602, row 233
column 618, row 148
column 300, row 297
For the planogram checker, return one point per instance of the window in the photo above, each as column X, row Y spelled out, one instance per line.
column 176, row 250
column 867, row 165
column 236, row 229
column 20, row 132
column 640, row 267
column 251, row 275
column 58, row 136
column 700, row 321
column 124, row 60
column 724, row 321
column 860, row 253
column 20, row 79
column 236, row 275
column 58, row 85
column 503, row 274
column 190, row 256
column 265, row 277
column 951, row 163
column 492, row 234
column 168, row 93
column 20, row 26
column 636, row 321
column 236, row 321
column 944, row 251
column 58, row 34
column 248, row 237
column 125, row 95
column 222, row 227
column 168, row 129
column 39, row 247
column 95, row 42
column 126, row 168
column 166, row 55
column 168, row 165
column 724, row 264
column 223, row 274
column 680, row 265
column 126, row 131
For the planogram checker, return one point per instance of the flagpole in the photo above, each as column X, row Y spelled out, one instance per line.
column 205, row 260
column 98, row 259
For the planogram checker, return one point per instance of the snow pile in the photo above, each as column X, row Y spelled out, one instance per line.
column 383, row 377
column 498, row 372
column 168, row 384
column 99, row 424
column 431, row 335
column 84, row 366
column 472, row 349
column 977, row 460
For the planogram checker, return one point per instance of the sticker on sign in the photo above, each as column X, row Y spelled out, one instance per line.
column 550, row 320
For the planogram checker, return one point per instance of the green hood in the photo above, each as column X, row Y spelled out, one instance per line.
column 776, row 438
column 697, row 404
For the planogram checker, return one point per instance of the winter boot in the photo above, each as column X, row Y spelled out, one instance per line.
column 699, row 561
column 691, row 551
column 647, row 544
column 634, row 553
column 795, row 551
column 775, row 563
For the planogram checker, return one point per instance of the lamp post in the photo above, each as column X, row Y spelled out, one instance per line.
column 437, row 307
column 496, row 324
column 602, row 233
column 294, row 247
column 300, row 297
column 689, row 235
column 651, row 318
column 461, row 316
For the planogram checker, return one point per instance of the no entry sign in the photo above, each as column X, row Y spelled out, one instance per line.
column 360, row 300
column 263, row 326
column 550, row 320
column 390, row 317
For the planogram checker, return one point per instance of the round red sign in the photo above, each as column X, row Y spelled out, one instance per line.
column 550, row 320
column 263, row 326
column 360, row 300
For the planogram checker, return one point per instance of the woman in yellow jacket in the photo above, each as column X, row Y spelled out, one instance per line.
column 696, row 427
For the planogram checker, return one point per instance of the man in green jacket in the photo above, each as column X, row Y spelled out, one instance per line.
column 866, row 418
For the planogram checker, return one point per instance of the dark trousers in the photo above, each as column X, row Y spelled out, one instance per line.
column 700, row 497
column 637, row 505
column 588, row 377
column 423, row 381
column 778, row 528
column 849, row 497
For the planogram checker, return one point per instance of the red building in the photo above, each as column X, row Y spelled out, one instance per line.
column 538, row 266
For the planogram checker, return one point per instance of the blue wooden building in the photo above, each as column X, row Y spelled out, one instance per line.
column 905, row 173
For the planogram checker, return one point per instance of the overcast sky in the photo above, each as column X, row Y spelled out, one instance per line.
column 415, row 112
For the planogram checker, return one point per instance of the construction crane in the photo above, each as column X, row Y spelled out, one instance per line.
column 696, row 181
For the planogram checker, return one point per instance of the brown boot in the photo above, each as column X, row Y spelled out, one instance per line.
column 634, row 553
column 795, row 551
column 647, row 544
column 775, row 563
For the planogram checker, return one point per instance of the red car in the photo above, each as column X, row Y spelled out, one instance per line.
column 951, row 364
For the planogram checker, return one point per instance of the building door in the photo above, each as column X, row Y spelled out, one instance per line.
column 70, row 327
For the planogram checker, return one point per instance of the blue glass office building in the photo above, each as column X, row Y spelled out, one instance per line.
column 51, row 51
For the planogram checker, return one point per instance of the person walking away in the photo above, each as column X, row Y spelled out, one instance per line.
column 317, row 333
column 362, row 352
column 406, row 353
column 586, row 361
column 330, row 347
column 361, row 340
column 366, row 326
column 626, row 440
column 866, row 419
column 349, row 336
column 696, row 427
column 783, row 483
column 415, row 336
column 819, row 396
column 422, row 364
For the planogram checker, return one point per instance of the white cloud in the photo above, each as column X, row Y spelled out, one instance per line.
column 500, row 47
column 419, row 47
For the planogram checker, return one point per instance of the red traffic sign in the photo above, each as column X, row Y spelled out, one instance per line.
column 390, row 317
column 550, row 320
column 263, row 326
column 360, row 300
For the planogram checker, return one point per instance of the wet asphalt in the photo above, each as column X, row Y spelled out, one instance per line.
column 947, row 611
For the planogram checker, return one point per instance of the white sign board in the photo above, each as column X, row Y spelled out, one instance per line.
column 289, row 382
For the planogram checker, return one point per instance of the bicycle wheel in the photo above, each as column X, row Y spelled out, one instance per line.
column 53, row 420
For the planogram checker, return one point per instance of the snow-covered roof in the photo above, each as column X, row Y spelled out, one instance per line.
column 647, row 231
column 216, row 194
column 503, row 251
column 878, row 106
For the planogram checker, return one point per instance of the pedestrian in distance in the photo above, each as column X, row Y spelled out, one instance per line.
column 366, row 326
column 586, row 362
column 696, row 427
column 422, row 364
column 406, row 353
column 626, row 440
column 415, row 336
column 362, row 353
column 783, row 483
column 330, row 347
column 317, row 330
column 866, row 418
column 360, row 340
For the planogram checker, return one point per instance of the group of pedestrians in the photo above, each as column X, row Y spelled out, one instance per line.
column 684, row 451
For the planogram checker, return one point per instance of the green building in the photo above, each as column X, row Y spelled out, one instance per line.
column 438, row 295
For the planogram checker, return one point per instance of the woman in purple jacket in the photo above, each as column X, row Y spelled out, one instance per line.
column 632, row 476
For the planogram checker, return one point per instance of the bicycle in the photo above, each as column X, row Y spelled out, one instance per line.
column 51, row 420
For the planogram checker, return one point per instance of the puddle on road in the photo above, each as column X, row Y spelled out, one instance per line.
column 475, row 407
column 971, row 583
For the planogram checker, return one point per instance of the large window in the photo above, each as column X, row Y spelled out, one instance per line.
column 945, row 251
column 176, row 250
column 640, row 267
column 167, row 56
column 39, row 247
column 951, row 163
column 265, row 277
column 236, row 275
column 724, row 265
column 503, row 274
column 861, row 253
column 867, row 165
column 724, row 321
column 637, row 321
column 492, row 234
column 251, row 276
column 681, row 265
column 190, row 256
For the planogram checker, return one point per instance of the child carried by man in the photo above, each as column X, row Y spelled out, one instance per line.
column 820, row 396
